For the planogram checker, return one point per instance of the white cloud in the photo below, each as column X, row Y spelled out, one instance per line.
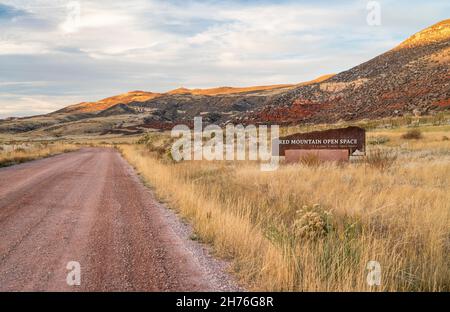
column 14, row 105
column 8, row 48
column 22, row 83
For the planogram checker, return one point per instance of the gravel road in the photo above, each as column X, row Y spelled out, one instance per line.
column 90, row 207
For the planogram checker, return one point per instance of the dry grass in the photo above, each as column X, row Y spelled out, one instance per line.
column 13, row 154
column 381, row 158
column 310, row 160
column 315, row 228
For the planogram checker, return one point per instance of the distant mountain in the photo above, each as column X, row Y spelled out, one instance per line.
column 126, row 98
column 412, row 78
column 143, row 96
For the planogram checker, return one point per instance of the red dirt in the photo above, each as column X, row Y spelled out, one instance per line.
column 443, row 103
column 89, row 206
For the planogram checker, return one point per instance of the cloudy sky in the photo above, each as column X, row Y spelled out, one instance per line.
column 58, row 52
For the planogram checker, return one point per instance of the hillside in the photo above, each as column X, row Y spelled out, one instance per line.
column 412, row 78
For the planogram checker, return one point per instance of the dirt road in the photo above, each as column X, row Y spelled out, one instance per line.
column 90, row 207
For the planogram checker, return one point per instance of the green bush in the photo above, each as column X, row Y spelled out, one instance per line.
column 379, row 140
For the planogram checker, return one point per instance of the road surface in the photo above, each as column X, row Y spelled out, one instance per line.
column 90, row 207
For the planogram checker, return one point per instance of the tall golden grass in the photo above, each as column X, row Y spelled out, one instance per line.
column 19, row 153
column 315, row 228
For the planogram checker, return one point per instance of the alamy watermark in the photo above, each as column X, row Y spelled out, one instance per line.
column 374, row 275
column 236, row 143
column 374, row 13
column 73, row 278
column 73, row 17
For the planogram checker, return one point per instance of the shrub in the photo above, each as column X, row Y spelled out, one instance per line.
column 312, row 222
column 412, row 135
column 445, row 138
column 439, row 119
column 408, row 119
column 381, row 158
column 379, row 140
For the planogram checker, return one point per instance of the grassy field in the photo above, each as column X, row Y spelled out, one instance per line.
column 315, row 228
column 12, row 154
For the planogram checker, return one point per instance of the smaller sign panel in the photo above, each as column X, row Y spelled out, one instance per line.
column 350, row 138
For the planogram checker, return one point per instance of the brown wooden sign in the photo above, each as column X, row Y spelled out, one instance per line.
column 351, row 138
